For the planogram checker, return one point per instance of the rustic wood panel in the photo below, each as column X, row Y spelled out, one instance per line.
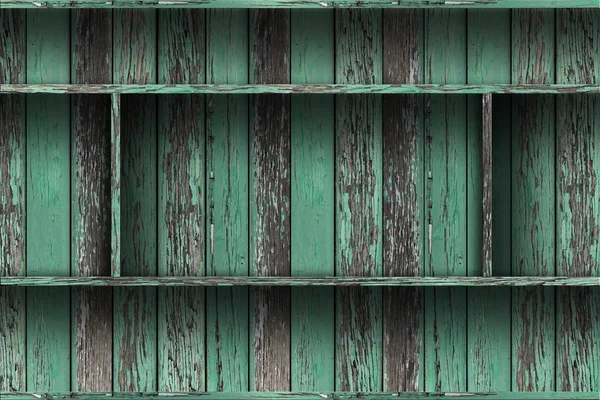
column 403, row 171
column 47, row 191
column 533, row 202
column 270, row 201
column 135, row 322
column 358, row 201
column 115, row 194
column 578, row 203
column 486, row 165
column 12, row 200
column 313, row 234
column 227, row 202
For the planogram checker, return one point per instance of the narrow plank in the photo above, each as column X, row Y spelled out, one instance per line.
column 402, row 202
column 358, row 201
column 533, row 202
column 115, row 167
column 270, row 202
column 91, row 41
column 181, row 146
column 12, row 201
column 313, row 235
column 47, row 191
column 135, row 319
column 578, row 203
column 227, row 202
column 445, row 198
column 487, row 183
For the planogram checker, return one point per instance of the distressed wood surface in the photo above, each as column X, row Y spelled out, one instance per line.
column 313, row 215
column 91, row 41
column 578, row 201
column 115, row 182
column 403, row 171
column 227, row 229
column 445, row 199
column 533, row 202
column 487, row 183
column 181, row 148
column 270, row 202
column 135, row 322
column 12, row 200
column 358, row 201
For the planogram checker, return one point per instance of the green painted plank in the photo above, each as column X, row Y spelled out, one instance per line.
column 115, row 167
column 578, row 201
column 358, row 201
column 48, row 214
column 445, row 197
column 227, row 227
column 181, row 147
column 270, row 202
column 403, row 178
column 313, row 235
column 533, row 202
column 135, row 319
column 12, row 200
column 488, row 326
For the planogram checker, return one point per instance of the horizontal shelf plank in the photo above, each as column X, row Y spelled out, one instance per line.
column 303, row 395
column 301, row 4
column 296, row 281
column 297, row 89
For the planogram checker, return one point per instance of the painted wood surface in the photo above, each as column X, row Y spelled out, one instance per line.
column 12, row 201
column 135, row 309
column 486, row 172
column 403, row 179
column 270, row 202
column 312, row 197
column 533, row 202
column 115, row 182
column 227, row 227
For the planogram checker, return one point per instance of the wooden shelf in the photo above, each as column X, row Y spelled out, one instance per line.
column 297, row 89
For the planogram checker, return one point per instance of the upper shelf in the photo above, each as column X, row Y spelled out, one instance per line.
column 302, row 4
column 298, row 89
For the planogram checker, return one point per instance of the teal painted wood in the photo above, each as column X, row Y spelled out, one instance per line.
column 227, row 227
column 313, row 206
column 181, row 213
column 578, row 201
column 533, row 202
column 12, row 200
column 135, row 309
column 358, row 201
column 47, row 191
column 115, row 182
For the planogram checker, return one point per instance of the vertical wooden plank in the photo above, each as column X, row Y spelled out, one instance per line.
column 313, row 247
column 578, row 208
column 270, row 201
column 90, row 201
column 533, row 202
column 488, row 327
column 48, row 214
column 135, row 321
column 445, row 197
column 115, row 167
column 358, row 201
column 227, row 202
column 402, row 202
column 181, row 327
column 12, row 201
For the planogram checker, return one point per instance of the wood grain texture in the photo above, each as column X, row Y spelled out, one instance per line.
column 270, row 202
column 181, row 178
column 313, row 180
column 135, row 319
column 487, row 183
column 403, row 180
column 115, row 182
column 533, row 202
column 12, row 200
column 578, row 201
column 358, row 201
column 227, row 202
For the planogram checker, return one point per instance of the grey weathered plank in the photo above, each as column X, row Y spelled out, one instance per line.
column 487, row 183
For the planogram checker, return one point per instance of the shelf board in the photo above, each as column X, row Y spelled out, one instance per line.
column 301, row 4
column 297, row 89
column 296, row 281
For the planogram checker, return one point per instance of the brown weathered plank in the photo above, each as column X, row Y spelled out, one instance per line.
column 270, row 202
column 487, row 183
column 402, row 202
